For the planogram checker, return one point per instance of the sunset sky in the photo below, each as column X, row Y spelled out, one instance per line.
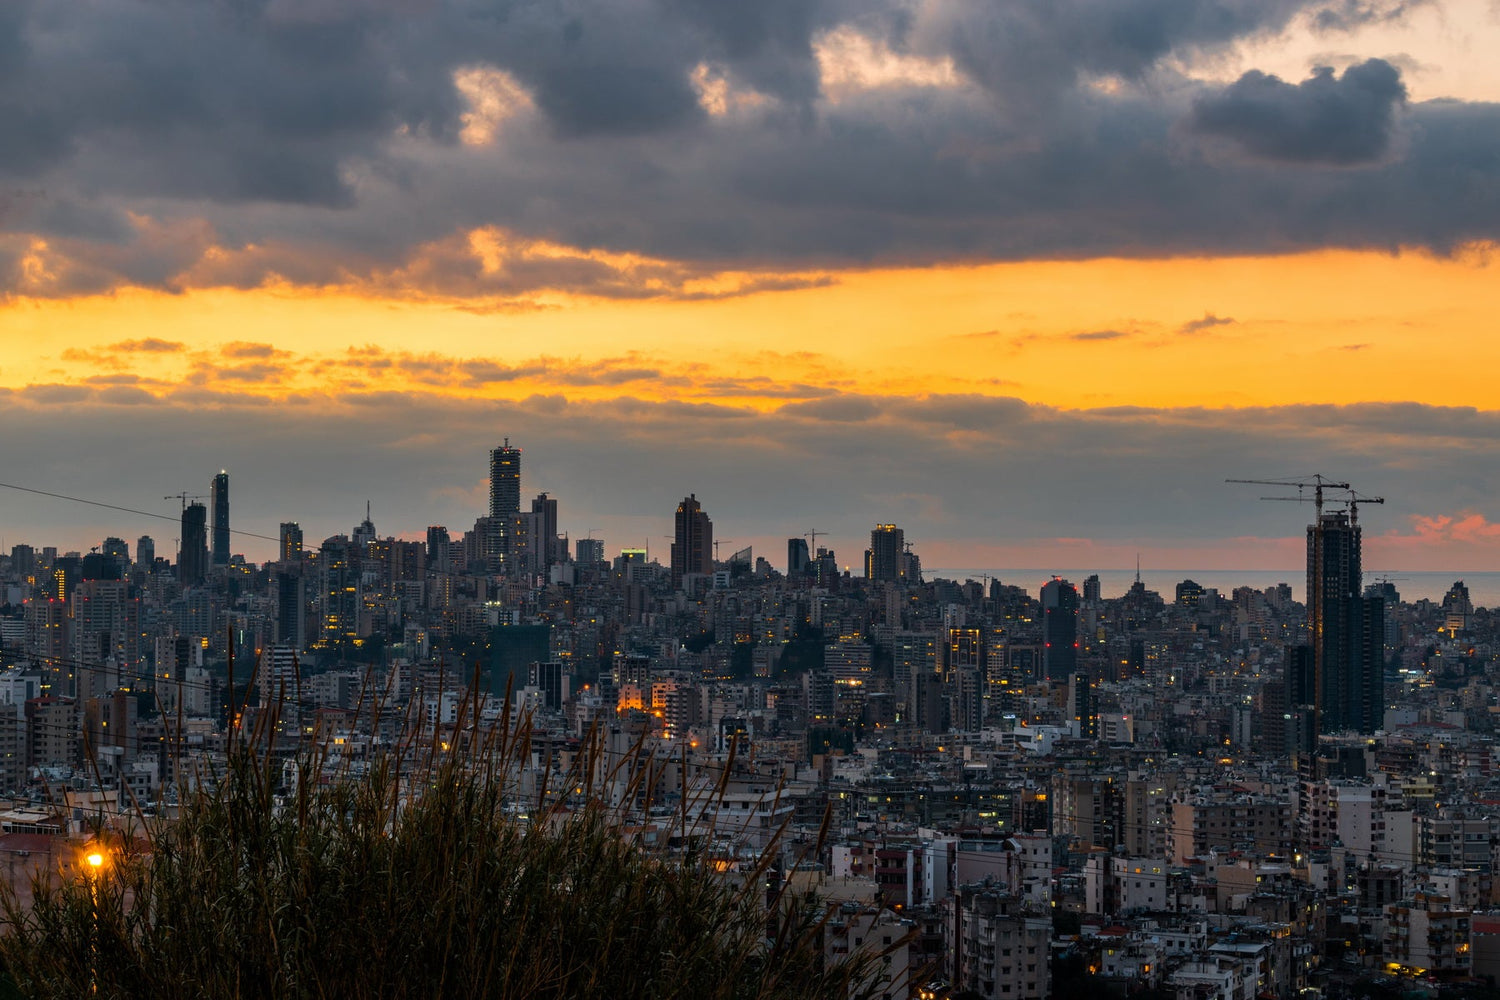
column 1029, row 278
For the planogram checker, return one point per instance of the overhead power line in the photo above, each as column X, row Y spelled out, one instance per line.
column 126, row 510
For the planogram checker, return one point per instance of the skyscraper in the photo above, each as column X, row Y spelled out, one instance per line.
column 1347, row 629
column 693, row 541
column 797, row 557
column 439, row 549
column 192, row 558
column 885, row 561
column 541, row 532
column 145, row 552
column 505, row 482
column 1059, row 628
column 589, row 551
column 291, row 542
column 219, row 498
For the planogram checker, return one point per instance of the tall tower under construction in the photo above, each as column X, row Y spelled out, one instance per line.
column 1345, row 628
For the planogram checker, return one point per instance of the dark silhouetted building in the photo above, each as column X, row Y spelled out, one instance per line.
column 291, row 542
column 513, row 649
column 588, row 551
column 797, row 557
column 693, row 540
column 885, row 562
column 541, row 535
column 290, row 604
column 1300, row 706
column 192, row 558
column 1059, row 628
column 1347, row 630
column 219, row 499
column 439, row 549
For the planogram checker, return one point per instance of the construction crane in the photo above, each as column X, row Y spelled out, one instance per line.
column 717, row 543
column 1354, row 500
column 813, row 535
column 185, row 497
column 1317, row 483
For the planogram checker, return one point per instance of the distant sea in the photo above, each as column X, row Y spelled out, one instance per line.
column 1484, row 588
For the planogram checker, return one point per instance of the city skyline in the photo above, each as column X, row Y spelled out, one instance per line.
column 800, row 455
column 775, row 549
column 1031, row 288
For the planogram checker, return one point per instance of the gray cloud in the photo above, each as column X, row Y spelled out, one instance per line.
column 230, row 143
column 1207, row 322
column 1341, row 120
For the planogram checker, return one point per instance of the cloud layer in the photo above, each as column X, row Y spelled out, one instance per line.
column 365, row 143
column 956, row 471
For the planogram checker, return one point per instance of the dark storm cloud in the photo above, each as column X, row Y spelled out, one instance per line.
column 236, row 143
column 1341, row 120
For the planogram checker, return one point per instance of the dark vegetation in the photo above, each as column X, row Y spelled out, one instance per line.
column 267, row 886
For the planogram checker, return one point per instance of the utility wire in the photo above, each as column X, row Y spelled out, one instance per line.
column 127, row 510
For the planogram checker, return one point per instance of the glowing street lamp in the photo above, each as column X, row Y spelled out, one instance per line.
column 95, row 861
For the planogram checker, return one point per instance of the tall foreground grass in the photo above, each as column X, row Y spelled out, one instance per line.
column 348, row 890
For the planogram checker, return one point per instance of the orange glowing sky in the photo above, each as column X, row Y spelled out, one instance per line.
column 1168, row 333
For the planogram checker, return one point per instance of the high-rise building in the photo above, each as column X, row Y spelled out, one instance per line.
column 145, row 552
column 693, row 540
column 505, row 482
column 588, row 551
column 1347, row 629
column 289, row 607
column 885, row 561
column 541, row 533
column 439, row 549
column 797, row 557
column 1083, row 706
column 291, row 542
column 338, row 596
column 192, row 558
column 1059, row 628
column 219, row 498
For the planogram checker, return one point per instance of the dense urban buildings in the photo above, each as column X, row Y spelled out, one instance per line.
column 1026, row 787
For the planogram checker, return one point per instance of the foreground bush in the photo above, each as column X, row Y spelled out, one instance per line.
column 339, row 893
